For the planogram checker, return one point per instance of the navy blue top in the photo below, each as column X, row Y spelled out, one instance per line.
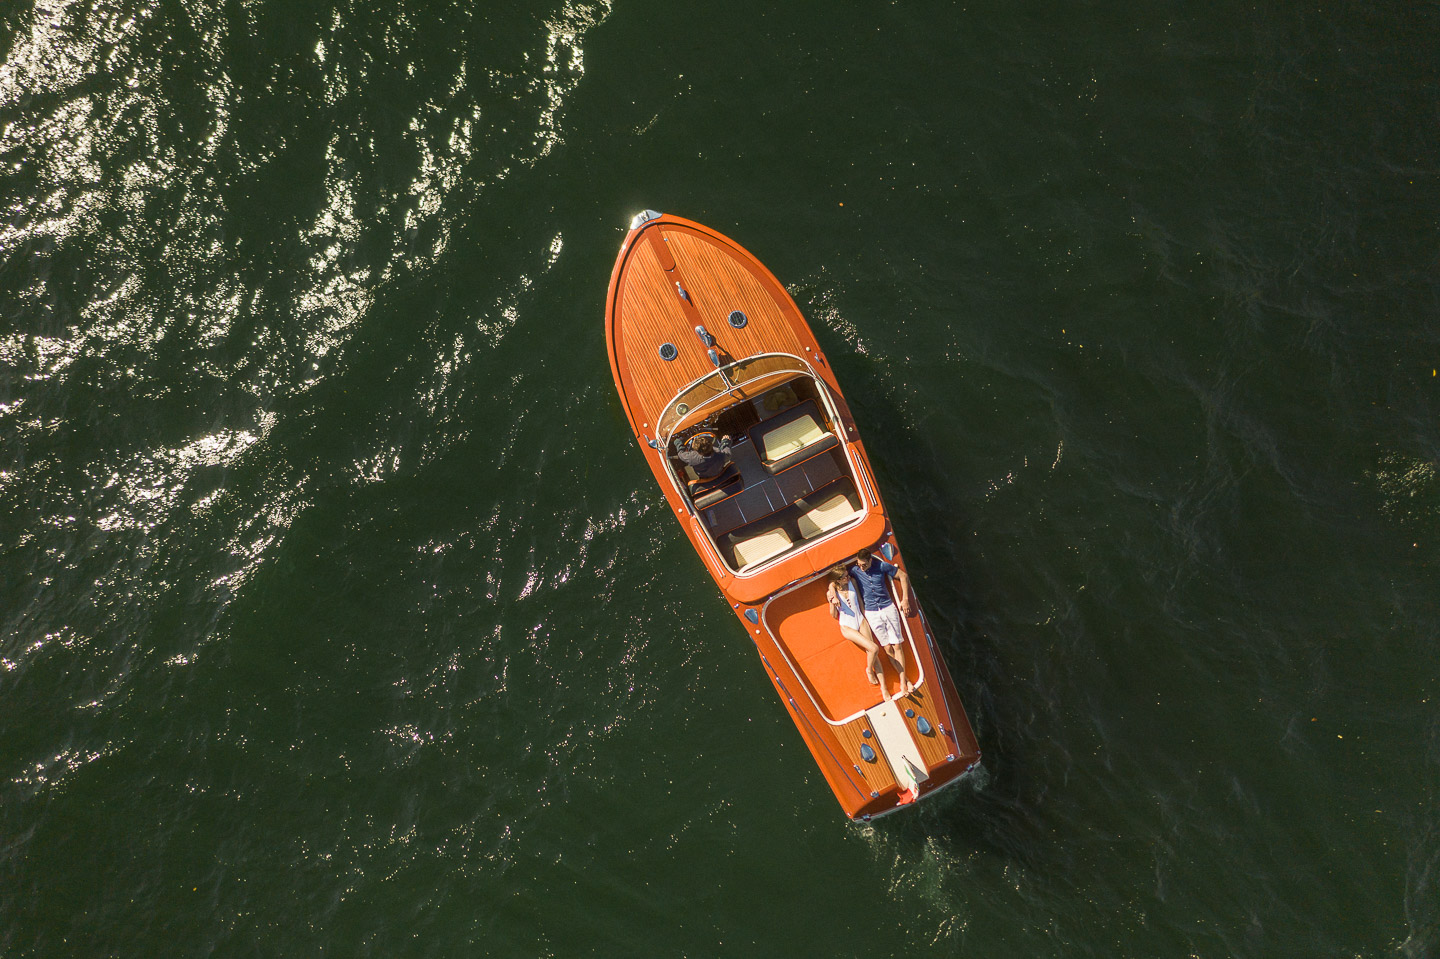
column 871, row 581
column 707, row 467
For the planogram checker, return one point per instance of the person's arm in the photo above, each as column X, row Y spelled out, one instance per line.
column 907, row 599
column 833, row 597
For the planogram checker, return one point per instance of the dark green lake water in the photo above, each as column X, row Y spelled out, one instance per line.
column 340, row 617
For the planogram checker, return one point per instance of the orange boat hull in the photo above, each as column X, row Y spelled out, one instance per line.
column 878, row 750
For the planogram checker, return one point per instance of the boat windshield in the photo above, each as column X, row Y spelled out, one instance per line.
column 736, row 382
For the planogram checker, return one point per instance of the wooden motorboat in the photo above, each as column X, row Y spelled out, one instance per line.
column 703, row 339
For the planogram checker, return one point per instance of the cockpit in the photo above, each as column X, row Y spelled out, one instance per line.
column 789, row 480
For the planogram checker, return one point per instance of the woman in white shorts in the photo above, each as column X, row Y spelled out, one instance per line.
column 845, row 607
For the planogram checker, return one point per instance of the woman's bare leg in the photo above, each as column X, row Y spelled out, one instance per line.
column 872, row 650
column 869, row 634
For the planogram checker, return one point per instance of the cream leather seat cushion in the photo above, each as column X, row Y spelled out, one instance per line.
column 792, row 437
column 834, row 511
column 757, row 549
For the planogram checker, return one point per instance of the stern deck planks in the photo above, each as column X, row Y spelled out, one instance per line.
column 936, row 746
column 877, row 774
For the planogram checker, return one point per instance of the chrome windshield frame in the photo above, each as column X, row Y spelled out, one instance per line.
column 663, row 436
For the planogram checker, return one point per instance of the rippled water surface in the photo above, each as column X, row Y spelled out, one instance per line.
column 339, row 615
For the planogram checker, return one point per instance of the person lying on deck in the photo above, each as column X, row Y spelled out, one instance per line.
column 705, row 456
column 870, row 573
column 845, row 606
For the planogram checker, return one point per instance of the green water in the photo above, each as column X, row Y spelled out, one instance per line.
column 341, row 617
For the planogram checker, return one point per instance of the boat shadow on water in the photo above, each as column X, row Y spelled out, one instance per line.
column 997, row 807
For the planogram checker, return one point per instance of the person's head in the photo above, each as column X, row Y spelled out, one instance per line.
column 862, row 559
column 704, row 444
column 838, row 574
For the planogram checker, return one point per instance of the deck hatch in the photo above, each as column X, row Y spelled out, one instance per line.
column 668, row 352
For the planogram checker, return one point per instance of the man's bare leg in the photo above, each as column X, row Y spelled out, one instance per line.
column 897, row 656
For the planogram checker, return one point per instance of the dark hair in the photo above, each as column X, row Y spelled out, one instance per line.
column 702, row 443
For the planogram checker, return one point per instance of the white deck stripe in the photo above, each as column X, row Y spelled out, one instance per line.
column 899, row 747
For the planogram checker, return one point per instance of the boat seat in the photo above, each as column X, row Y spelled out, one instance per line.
column 795, row 435
column 756, row 548
column 834, row 510
column 705, row 493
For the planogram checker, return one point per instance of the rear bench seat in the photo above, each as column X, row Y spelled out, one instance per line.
column 754, row 548
column 828, row 509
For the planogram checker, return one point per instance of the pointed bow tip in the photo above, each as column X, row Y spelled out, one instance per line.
column 642, row 218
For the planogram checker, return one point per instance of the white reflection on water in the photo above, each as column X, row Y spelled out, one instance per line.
column 335, row 298
column 96, row 129
column 564, row 67
column 444, row 138
column 52, row 773
column 98, row 103
column 144, row 491
column 1408, row 487
column 822, row 309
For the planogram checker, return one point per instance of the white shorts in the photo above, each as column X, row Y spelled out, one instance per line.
column 885, row 624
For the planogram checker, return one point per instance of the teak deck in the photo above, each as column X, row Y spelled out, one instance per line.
column 671, row 276
column 717, row 283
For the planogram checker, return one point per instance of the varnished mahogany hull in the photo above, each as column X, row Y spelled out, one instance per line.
column 671, row 276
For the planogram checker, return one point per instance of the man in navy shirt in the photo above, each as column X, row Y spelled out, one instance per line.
column 705, row 456
column 871, row 575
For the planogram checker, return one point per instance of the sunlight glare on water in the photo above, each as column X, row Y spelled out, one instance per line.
column 340, row 614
